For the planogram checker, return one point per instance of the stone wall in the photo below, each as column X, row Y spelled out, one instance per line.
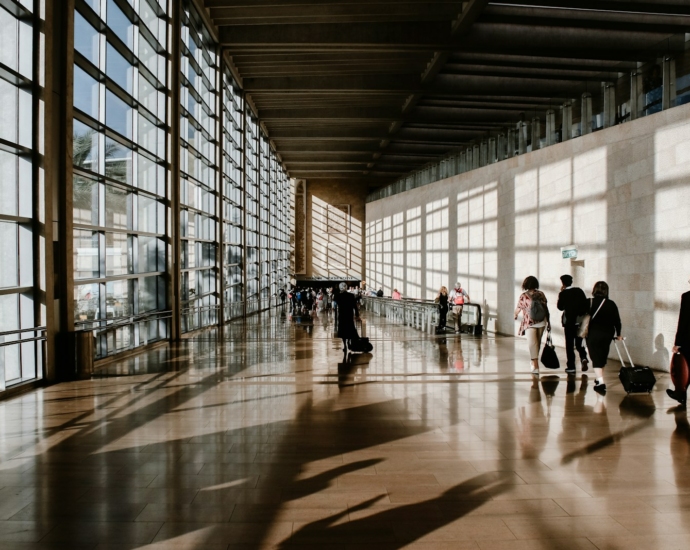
column 335, row 229
column 621, row 195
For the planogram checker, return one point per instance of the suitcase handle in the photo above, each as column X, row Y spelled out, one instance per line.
column 625, row 347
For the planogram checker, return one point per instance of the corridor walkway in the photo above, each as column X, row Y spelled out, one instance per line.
column 262, row 437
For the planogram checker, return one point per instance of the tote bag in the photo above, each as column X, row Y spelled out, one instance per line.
column 583, row 329
column 548, row 356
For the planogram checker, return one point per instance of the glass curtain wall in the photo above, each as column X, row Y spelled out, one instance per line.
column 265, row 251
column 233, row 198
column 19, row 361
column 119, row 171
column 252, row 198
column 199, row 92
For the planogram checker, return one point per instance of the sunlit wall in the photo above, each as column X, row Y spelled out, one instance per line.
column 620, row 195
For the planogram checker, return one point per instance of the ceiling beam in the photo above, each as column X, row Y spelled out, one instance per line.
column 350, row 83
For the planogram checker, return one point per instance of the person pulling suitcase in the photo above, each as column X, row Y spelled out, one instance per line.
column 681, row 346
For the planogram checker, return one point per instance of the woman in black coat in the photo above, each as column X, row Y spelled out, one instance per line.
column 347, row 311
column 442, row 301
column 604, row 326
column 681, row 344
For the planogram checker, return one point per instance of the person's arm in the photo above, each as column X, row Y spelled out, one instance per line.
column 683, row 329
column 466, row 295
column 560, row 304
column 518, row 308
column 616, row 320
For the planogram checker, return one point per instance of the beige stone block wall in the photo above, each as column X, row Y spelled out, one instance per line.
column 622, row 195
column 324, row 250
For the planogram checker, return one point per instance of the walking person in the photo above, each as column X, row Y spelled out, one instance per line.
column 396, row 295
column 442, row 301
column 282, row 295
column 346, row 311
column 604, row 327
column 535, row 318
column 573, row 302
column 458, row 299
column 682, row 345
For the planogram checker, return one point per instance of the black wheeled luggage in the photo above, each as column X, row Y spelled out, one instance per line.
column 361, row 345
column 634, row 379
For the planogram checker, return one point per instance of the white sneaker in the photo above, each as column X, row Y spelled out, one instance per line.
column 535, row 372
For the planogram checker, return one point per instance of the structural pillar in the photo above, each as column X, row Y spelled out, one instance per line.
column 475, row 157
column 492, row 151
column 586, row 114
column 501, row 147
column 522, row 138
column 609, row 104
column 536, row 134
column 483, row 153
column 567, row 124
column 668, row 98
column 510, row 151
column 469, row 162
column 635, row 87
column 550, row 127
column 462, row 166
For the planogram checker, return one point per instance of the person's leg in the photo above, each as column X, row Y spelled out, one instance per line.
column 442, row 317
column 570, row 332
column 458, row 317
column 534, row 343
column 579, row 345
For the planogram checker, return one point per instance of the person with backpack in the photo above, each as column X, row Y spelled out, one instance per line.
column 573, row 302
column 604, row 326
column 346, row 313
column 681, row 345
column 379, row 293
column 535, row 318
column 458, row 298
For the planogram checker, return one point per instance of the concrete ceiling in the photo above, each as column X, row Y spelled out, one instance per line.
column 370, row 90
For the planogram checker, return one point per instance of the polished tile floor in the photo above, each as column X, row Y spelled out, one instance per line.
column 264, row 437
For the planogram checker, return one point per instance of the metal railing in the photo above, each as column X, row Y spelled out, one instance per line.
column 119, row 334
column 421, row 314
column 34, row 354
column 194, row 318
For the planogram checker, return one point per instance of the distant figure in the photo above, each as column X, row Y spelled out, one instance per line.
column 396, row 295
column 535, row 317
column 347, row 311
column 573, row 302
column 682, row 343
column 458, row 297
column 282, row 295
column 604, row 326
column 442, row 301
column 379, row 293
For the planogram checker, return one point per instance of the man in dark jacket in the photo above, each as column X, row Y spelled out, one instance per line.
column 573, row 303
column 682, row 343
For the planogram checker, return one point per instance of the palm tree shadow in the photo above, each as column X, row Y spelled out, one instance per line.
column 397, row 527
column 322, row 481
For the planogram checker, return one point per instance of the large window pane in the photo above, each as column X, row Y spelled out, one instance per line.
column 86, row 39
column 8, row 184
column 84, row 147
column 118, row 161
column 118, row 115
column 87, row 302
column 86, row 255
column 118, row 300
column 120, row 23
column 85, row 93
column 118, row 68
column 151, row 254
column 117, row 250
column 8, row 254
column 117, row 208
column 8, row 113
column 85, row 201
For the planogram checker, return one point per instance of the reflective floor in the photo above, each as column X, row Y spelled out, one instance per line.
column 265, row 437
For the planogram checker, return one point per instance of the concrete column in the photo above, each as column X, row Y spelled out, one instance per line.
column 586, row 114
column 550, row 127
column 635, row 88
column 475, row 157
column 536, row 134
column 609, row 91
column 469, row 163
column 567, row 124
column 500, row 147
column 510, row 145
column 522, row 138
column 668, row 97
column 483, row 153
column 462, row 165
column 492, row 151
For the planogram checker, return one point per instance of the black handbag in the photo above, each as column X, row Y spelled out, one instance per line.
column 548, row 357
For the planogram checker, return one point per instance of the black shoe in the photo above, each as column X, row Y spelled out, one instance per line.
column 600, row 388
column 681, row 397
column 585, row 365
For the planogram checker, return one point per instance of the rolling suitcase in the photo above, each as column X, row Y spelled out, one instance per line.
column 634, row 379
column 680, row 374
column 362, row 345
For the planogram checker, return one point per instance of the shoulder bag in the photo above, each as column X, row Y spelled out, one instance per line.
column 583, row 329
column 548, row 356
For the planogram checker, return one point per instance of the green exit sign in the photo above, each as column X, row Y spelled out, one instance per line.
column 569, row 252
